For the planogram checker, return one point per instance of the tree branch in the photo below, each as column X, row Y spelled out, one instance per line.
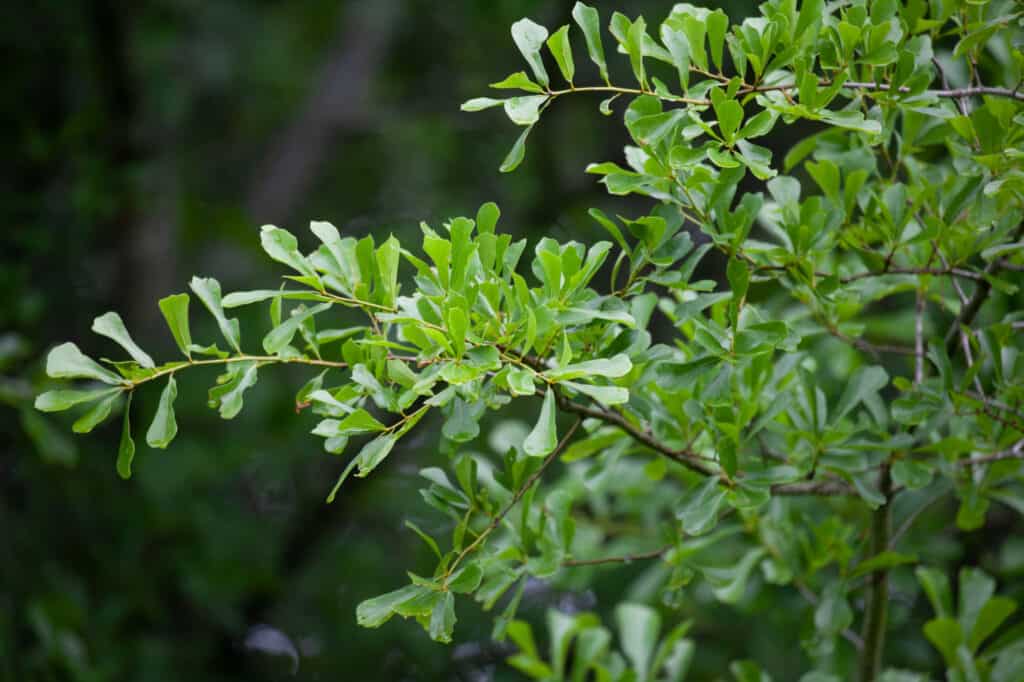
column 878, row 588
column 496, row 521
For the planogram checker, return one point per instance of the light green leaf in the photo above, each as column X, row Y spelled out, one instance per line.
column 112, row 326
column 175, row 311
column 240, row 298
column 208, row 291
column 126, row 450
column 525, row 110
column 95, row 416
column 442, row 619
column 544, row 437
column 231, row 402
column 613, row 368
column 589, row 21
column 66, row 361
column 995, row 611
column 732, row 582
column 374, row 452
column 164, row 426
column 63, row 399
column 679, row 47
column 561, row 50
column 487, row 217
column 634, row 48
column 481, row 103
column 699, row 511
column 518, row 81
column 638, row 633
column 281, row 335
column 865, row 382
column 717, row 24
column 375, row 612
column 517, row 153
column 606, row 395
column 388, row 256
column 520, row 381
column 283, row 247
column 529, row 37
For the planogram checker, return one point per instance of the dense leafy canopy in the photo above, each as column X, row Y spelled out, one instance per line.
column 861, row 354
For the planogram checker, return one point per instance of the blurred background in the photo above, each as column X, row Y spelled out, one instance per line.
column 147, row 142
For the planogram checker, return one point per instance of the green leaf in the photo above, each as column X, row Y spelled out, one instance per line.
column 374, row 452
column 239, row 298
column 729, row 585
column 995, row 611
column 66, row 361
column 524, row 111
column 487, row 218
column 679, row 48
column 634, row 48
column 517, row 153
column 375, row 612
column 112, row 326
column 976, row 588
column 699, row 511
column 529, row 37
column 164, row 426
column 208, row 291
column 543, row 439
column 717, row 24
column 481, row 103
column 561, row 50
column 882, row 560
column 729, row 113
column 280, row 336
column 589, row 21
column 833, row 614
column 126, row 450
column 231, row 402
column 283, row 247
column 517, row 81
column 63, row 399
column 638, row 633
column 520, row 381
column 944, row 633
column 95, row 416
column 461, row 426
column 175, row 311
column 936, row 586
column 613, row 368
column 606, row 395
column 738, row 273
column 442, row 619
column 865, row 382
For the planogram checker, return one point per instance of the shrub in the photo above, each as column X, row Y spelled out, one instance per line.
column 857, row 368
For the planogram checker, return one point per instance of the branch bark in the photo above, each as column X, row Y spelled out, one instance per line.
column 877, row 609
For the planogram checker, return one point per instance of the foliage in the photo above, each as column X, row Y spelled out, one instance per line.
column 859, row 356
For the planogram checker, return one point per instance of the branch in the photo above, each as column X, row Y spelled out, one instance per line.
column 496, row 521
column 876, row 613
column 692, row 460
column 687, row 458
column 969, row 311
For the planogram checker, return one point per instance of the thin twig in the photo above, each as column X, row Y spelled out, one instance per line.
column 496, row 521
